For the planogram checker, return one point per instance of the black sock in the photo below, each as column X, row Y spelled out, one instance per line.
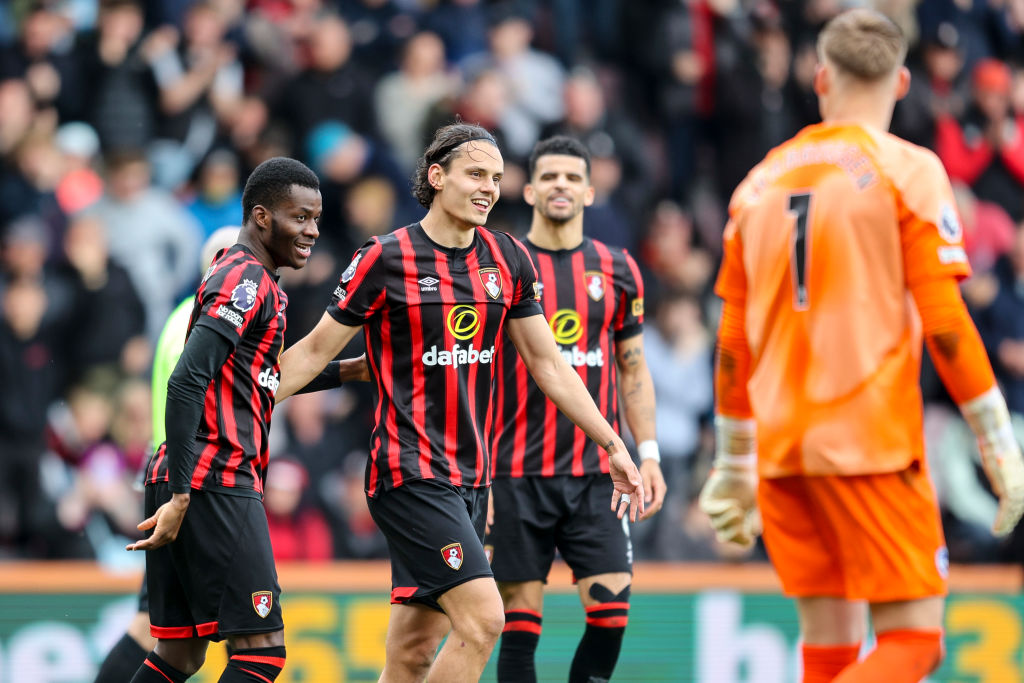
column 518, row 644
column 121, row 663
column 255, row 665
column 156, row 670
column 602, row 639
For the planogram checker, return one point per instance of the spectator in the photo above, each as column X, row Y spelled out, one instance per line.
column 121, row 100
column 298, row 531
column 404, row 97
column 331, row 88
column 533, row 79
column 199, row 79
column 218, row 197
column 985, row 149
column 1002, row 325
column 112, row 331
column 79, row 185
column 150, row 234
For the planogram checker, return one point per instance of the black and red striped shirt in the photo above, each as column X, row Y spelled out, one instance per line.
column 240, row 299
column 431, row 317
column 593, row 296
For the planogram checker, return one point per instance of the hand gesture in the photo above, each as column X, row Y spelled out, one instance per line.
column 654, row 487
column 629, row 485
column 167, row 522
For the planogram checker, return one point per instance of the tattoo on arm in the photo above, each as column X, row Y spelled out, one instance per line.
column 946, row 343
column 632, row 356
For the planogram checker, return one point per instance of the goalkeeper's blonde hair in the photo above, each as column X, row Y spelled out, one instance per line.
column 863, row 43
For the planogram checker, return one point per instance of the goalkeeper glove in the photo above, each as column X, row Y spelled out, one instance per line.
column 989, row 419
column 729, row 497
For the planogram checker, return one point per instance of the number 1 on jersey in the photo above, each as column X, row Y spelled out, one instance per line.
column 800, row 208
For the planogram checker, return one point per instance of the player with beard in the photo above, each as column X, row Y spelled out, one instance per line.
column 550, row 483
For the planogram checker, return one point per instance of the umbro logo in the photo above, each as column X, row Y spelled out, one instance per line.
column 428, row 284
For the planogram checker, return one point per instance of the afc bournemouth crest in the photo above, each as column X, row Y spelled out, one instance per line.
column 593, row 280
column 262, row 601
column 490, row 278
column 452, row 555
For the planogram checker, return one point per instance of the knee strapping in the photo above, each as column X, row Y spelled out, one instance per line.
column 612, row 610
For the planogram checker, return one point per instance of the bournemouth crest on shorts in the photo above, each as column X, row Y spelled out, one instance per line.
column 262, row 601
column 452, row 555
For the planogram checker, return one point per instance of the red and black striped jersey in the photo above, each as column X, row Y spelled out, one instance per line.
column 431, row 317
column 240, row 299
column 593, row 296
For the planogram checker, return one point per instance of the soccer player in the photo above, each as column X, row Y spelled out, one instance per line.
column 130, row 651
column 550, row 482
column 433, row 299
column 842, row 250
column 209, row 563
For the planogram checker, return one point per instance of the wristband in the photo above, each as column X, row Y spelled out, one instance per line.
column 648, row 450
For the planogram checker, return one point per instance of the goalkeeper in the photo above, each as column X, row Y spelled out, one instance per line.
column 842, row 251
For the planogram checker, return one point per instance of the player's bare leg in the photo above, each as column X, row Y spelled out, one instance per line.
column 909, row 642
column 524, row 607
column 477, row 618
column 832, row 630
column 138, row 629
column 605, row 599
column 414, row 634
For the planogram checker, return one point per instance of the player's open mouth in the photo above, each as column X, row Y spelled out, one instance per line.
column 482, row 204
column 304, row 250
column 561, row 202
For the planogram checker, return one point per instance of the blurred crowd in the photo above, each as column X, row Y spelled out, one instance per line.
column 127, row 129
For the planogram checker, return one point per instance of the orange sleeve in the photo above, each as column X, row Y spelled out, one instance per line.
column 731, row 283
column 930, row 232
column 732, row 364
column 953, row 340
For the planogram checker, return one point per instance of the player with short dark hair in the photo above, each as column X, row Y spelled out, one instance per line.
column 550, row 483
column 211, row 571
column 433, row 300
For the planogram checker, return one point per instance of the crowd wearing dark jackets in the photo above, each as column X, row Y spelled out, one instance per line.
column 127, row 129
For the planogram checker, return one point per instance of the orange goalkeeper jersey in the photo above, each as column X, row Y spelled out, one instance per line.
column 825, row 238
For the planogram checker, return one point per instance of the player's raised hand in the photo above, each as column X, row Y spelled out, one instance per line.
column 629, row 485
column 165, row 522
column 654, row 487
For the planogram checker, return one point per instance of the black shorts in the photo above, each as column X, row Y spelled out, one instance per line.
column 435, row 537
column 144, row 594
column 217, row 578
column 535, row 515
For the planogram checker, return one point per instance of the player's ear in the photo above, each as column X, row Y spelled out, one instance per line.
column 822, row 80
column 529, row 194
column 902, row 82
column 261, row 217
column 588, row 196
column 435, row 176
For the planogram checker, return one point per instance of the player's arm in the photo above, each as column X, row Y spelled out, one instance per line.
column 729, row 496
column 562, row 384
column 960, row 360
column 637, row 390
column 301, row 363
column 205, row 352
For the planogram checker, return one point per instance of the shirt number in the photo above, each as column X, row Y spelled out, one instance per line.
column 800, row 209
